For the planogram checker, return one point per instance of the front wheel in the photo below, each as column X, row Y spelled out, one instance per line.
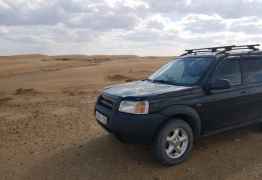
column 173, row 143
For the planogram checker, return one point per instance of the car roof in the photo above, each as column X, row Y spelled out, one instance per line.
column 198, row 56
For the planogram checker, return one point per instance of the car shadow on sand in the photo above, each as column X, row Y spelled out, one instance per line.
column 223, row 156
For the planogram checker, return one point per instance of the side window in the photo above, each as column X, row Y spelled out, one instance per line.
column 253, row 68
column 228, row 69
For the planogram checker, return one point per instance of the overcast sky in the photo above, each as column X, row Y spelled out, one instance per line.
column 142, row 27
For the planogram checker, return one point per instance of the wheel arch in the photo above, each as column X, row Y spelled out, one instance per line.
column 186, row 113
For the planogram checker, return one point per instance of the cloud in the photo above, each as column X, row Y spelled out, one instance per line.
column 200, row 23
column 145, row 27
column 224, row 8
column 250, row 25
column 103, row 21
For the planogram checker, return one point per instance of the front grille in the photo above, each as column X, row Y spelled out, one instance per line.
column 106, row 101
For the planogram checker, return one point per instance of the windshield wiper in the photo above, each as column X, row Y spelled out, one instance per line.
column 162, row 81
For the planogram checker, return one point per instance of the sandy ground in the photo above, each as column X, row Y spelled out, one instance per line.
column 48, row 131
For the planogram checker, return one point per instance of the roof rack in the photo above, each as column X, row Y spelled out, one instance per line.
column 222, row 49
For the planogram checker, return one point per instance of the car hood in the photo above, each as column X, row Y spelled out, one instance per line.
column 142, row 88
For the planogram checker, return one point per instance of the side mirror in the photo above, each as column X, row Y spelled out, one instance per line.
column 220, row 84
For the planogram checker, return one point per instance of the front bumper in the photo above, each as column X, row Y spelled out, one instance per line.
column 134, row 128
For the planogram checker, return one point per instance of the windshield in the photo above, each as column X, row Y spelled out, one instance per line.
column 184, row 71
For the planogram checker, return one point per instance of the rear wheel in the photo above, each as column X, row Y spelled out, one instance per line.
column 173, row 143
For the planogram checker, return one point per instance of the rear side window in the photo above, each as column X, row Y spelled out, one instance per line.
column 228, row 69
column 253, row 67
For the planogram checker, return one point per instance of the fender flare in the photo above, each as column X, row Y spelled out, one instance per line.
column 187, row 113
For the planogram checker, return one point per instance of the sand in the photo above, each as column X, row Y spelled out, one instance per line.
column 48, row 130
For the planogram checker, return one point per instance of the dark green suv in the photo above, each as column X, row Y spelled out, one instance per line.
column 201, row 92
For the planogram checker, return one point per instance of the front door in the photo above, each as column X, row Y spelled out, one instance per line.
column 252, row 66
column 224, row 108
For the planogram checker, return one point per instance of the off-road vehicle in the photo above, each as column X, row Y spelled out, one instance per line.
column 201, row 92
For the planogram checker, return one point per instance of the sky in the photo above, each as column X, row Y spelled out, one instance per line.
column 137, row 27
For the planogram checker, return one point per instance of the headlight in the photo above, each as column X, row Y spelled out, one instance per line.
column 134, row 107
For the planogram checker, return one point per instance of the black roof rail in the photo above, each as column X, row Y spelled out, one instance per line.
column 222, row 49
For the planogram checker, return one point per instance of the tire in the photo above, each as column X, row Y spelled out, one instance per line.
column 173, row 143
